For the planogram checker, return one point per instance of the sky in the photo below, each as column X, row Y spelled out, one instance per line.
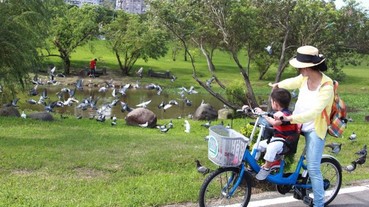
column 364, row 3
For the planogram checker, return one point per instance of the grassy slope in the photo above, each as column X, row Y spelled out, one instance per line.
column 87, row 163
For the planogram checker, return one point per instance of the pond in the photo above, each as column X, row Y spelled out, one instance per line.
column 132, row 98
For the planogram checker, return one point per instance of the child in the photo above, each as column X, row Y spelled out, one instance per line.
column 280, row 100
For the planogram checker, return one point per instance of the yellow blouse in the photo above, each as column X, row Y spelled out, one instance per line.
column 325, row 102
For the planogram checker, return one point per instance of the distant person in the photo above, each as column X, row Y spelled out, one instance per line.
column 93, row 67
column 283, row 132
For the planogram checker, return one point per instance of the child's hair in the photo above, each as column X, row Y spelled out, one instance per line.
column 282, row 97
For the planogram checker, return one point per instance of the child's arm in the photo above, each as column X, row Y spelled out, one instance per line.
column 272, row 121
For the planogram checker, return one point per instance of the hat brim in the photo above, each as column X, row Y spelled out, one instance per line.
column 297, row 64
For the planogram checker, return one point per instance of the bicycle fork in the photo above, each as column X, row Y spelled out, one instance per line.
column 236, row 183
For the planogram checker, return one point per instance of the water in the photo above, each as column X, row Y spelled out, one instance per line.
column 132, row 98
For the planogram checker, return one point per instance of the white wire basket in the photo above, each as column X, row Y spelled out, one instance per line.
column 226, row 146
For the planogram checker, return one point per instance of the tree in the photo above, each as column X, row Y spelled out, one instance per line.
column 22, row 23
column 131, row 37
column 210, row 25
column 73, row 27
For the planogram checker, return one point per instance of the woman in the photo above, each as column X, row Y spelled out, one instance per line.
column 313, row 98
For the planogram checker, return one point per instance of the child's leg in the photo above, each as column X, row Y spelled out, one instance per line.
column 272, row 150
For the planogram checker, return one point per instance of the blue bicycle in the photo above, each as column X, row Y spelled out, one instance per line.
column 231, row 183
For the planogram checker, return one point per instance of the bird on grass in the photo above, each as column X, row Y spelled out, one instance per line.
column 207, row 124
column 144, row 125
column 363, row 151
column 201, row 169
column 23, row 115
column 335, row 147
column 352, row 137
column 361, row 160
column 350, row 168
column 187, row 126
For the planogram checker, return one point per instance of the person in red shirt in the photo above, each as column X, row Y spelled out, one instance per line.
column 93, row 67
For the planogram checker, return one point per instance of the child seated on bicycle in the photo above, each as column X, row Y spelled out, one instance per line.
column 282, row 132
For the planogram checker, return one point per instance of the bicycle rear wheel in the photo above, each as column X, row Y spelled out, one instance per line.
column 332, row 178
column 215, row 189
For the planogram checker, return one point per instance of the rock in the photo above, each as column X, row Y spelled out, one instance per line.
column 43, row 116
column 205, row 112
column 141, row 116
column 225, row 113
column 9, row 111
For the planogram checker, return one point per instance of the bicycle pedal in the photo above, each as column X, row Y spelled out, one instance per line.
column 308, row 201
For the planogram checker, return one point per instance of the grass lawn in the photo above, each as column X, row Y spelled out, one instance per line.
column 72, row 162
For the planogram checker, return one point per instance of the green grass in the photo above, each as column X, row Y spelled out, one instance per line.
column 87, row 163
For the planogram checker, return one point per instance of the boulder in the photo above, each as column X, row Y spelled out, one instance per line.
column 140, row 116
column 43, row 116
column 205, row 112
column 9, row 111
column 225, row 113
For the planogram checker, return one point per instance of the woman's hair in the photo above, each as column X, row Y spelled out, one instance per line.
column 321, row 67
column 281, row 96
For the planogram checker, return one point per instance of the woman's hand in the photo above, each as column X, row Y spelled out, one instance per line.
column 280, row 116
column 273, row 85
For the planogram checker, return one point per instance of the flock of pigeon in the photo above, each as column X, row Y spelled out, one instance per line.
column 336, row 148
column 66, row 97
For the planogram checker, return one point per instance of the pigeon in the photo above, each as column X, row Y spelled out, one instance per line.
column 201, row 169
column 13, row 103
column 143, row 104
column 164, row 130
column 336, row 147
column 79, row 84
column 170, row 124
column 31, row 101
column 362, row 151
column 23, row 115
column 352, row 137
column 269, row 49
column 125, row 107
column 207, row 124
column 139, row 72
column 208, row 82
column 351, row 167
column 33, row 91
column 350, row 119
column 144, row 125
column 187, row 126
column 361, row 160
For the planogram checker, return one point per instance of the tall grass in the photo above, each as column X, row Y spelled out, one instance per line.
column 71, row 162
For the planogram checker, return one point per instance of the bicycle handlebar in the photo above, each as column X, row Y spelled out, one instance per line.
column 253, row 111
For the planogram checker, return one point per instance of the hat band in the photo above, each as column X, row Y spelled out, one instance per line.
column 308, row 58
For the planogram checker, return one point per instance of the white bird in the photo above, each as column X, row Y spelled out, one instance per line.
column 187, row 126
column 103, row 89
column 23, row 115
column 52, row 71
column 144, row 125
column 269, row 49
column 352, row 136
column 139, row 72
column 143, row 104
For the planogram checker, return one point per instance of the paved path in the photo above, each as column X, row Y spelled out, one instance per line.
column 354, row 196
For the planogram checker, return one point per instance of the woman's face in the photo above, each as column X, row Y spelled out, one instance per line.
column 303, row 71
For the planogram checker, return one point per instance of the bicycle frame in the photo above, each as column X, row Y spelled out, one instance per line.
column 277, row 178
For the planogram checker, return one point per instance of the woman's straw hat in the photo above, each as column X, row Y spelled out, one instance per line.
column 307, row 56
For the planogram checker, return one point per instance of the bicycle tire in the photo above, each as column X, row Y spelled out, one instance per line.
column 332, row 177
column 214, row 190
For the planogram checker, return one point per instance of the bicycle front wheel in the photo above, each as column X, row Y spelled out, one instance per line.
column 332, row 178
column 215, row 191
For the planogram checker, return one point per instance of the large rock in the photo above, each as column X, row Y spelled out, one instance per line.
column 9, row 111
column 205, row 112
column 43, row 116
column 225, row 113
column 140, row 116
